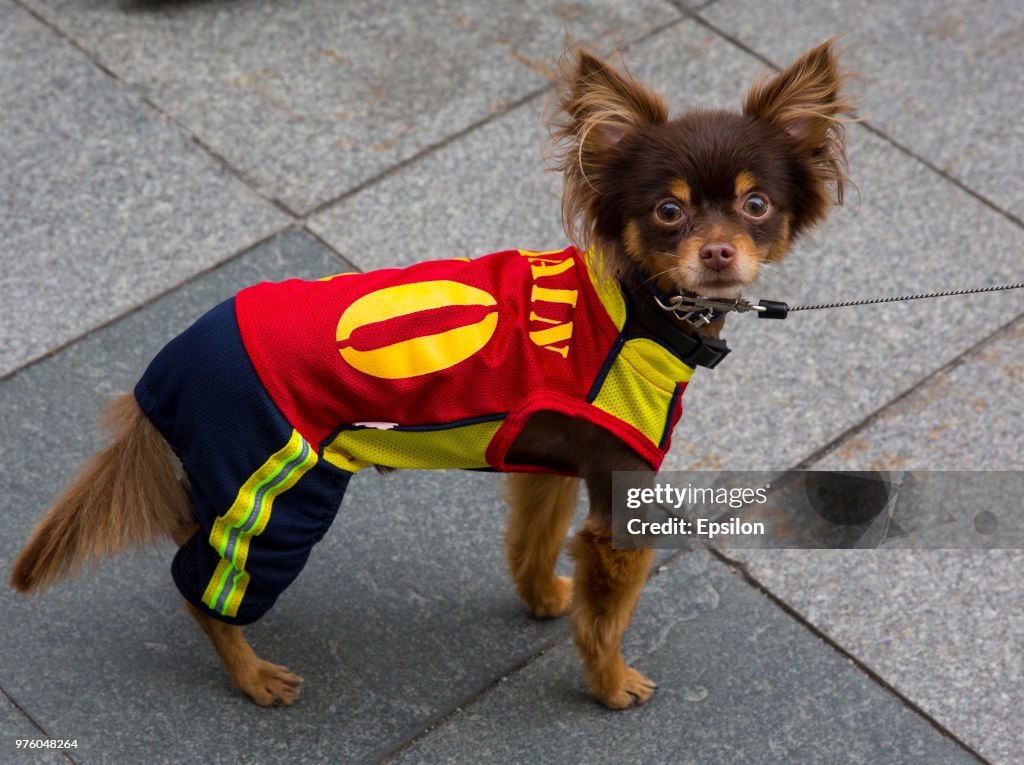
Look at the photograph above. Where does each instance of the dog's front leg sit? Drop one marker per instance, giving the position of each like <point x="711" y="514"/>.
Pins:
<point x="540" y="511"/>
<point x="269" y="685"/>
<point x="606" y="589"/>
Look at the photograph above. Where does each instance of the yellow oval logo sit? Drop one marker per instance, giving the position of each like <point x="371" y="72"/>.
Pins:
<point x="392" y="344"/>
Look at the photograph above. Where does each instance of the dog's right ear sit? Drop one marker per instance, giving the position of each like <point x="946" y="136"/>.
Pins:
<point x="596" y="105"/>
<point x="602" y="103"/>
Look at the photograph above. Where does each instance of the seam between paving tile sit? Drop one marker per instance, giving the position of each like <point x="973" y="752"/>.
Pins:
<point x="823" y="451"/>
<point x="294" y="226"/>
<point x="146" y="101"/>
<point x="427" y="151"/>
<point x="442" y="718"/>
<point x="689" y="10"/>
<point x="5" y="697"/>
<point x="745" y="574"/>
<point x="537" y="94"/>
<point x="135" y="308"/>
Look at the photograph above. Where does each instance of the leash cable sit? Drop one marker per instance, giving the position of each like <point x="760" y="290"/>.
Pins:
<point x="905" y="297"/>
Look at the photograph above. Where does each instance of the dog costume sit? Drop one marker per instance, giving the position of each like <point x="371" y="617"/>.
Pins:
<point x="274" y="398"/>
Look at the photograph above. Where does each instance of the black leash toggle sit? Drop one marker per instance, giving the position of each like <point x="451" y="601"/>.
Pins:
<point x="699" y="311"/>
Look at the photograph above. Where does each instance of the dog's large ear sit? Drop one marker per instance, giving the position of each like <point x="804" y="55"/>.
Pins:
<point x="807" y="99"/>
<point x="601" y="103"/>
<point x="595" y="106"/>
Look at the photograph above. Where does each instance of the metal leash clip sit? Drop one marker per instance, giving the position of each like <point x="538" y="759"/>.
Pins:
<point x="700" y="311"/>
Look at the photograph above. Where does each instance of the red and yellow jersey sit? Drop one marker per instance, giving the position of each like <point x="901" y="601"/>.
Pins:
<point x="441" y="364"/>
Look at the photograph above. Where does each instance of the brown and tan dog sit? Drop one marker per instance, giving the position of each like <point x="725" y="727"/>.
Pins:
<point x="692" y="205"/>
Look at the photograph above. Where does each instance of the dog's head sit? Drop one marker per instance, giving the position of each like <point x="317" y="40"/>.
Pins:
<point x="699" y="202"/>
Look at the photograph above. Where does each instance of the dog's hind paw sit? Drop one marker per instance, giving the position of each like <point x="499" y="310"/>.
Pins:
<point x="270" y="685"/>
<point x="551" y="600"/>
<point x="634" y="690"/>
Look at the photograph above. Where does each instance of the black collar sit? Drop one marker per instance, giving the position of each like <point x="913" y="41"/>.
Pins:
<point x="692" y="349"/>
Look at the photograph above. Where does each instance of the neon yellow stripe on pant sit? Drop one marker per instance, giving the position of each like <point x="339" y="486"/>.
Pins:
<point x="248" y="517"/>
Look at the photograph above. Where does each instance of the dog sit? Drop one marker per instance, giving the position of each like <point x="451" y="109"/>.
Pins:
<point x="556" y="367"/>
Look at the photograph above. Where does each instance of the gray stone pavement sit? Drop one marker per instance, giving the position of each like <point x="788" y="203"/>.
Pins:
<point x="157" y="156"/>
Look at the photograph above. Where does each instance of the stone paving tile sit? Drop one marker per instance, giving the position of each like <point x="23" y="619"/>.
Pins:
<point x="404" y="610"/>
<point x="945" y="627"/>
<point x="103" y="203"/>
<point x="308" y="99"/>
<point x="815" y="374"/>
<point x="739" y="681"/>
<point x="942" y="80"/>
<point x="14" y="727"/>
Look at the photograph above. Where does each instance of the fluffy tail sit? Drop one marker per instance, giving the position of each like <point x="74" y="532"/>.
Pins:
<point x="125" y="496"/>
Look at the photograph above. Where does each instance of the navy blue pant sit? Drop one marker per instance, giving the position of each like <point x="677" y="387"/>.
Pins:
<point x="262" y="495"/>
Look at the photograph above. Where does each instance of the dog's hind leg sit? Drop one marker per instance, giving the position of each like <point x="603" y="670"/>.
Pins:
<point x="540" y="510"/>
<point x="269" y="685"/>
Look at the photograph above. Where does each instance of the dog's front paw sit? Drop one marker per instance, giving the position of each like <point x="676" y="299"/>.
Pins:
<point x="270" y="685"/>
<point x="632" y="689"/>
<point x="551" y="600"/>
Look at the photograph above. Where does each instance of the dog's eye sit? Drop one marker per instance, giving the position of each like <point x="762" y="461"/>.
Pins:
<point x="669" y="212"/>
<point x="756" y="206"/>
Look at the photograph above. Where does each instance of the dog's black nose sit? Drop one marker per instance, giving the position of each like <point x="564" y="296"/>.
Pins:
<point x="717" y="255"/>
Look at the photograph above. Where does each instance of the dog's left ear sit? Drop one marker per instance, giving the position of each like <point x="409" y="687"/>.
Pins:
<point x="808" y="101"/>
